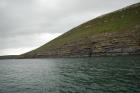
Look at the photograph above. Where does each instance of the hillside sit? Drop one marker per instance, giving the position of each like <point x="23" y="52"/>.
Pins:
<point x="116" y="33"/>
<point x="9" y="57"/>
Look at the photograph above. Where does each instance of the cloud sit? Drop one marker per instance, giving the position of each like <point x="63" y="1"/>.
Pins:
<point x="24" y="21"/>
<point x="27" y="41"/>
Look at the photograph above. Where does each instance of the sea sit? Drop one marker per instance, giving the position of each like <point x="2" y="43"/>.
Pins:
<point x="119" y="74"/>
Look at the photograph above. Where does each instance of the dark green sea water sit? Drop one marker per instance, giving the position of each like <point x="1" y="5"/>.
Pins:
<point x="71" y="75"/>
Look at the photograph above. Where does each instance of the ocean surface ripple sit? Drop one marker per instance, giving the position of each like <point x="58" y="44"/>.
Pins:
<point x="71" y="75"/>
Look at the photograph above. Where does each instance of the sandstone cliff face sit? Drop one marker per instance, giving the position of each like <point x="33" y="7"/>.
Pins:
<point x="117" y="33"/>
<point x="115" y="43"/>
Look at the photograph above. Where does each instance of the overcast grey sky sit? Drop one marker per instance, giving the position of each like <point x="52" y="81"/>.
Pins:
<point x="27" y="24"/>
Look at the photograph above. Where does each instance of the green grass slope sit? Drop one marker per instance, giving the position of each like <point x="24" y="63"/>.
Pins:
<point x="114" y="33"/>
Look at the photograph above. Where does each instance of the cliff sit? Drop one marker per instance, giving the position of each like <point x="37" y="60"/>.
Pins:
<point x="116" y="33"/>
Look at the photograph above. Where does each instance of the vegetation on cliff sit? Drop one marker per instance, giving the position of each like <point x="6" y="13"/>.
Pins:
<point x="116" y="33"/>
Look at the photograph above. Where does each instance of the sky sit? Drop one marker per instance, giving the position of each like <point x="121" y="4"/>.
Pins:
<point x="28" y="24"/>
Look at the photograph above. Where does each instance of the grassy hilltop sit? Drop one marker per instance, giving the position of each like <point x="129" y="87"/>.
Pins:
<point x="116" y="33"/>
